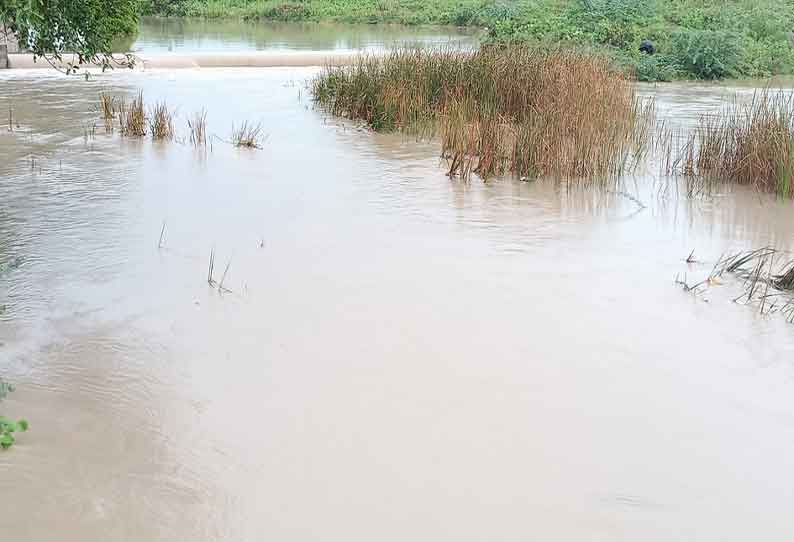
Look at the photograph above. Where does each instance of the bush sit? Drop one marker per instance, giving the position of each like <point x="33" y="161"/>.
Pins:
<point x="615" y="23"/>
<point x="465" y="15"/>
<point x="163" y="7"/>
<point x="706" y="54"/>
<point x="765" y="57"/>
<point x="654" y="68"/>
<point x="287" y="12"/>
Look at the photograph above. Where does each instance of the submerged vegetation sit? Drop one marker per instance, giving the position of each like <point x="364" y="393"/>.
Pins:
<point x="748" y="144"/>
<point x="198" y="129"/>
<point x="134" y="122"/>
<point x="515" y="109"/>
<point x="692" y="38"/>
<point x="161" y="124"/>
<point x="132" y="117"/>
<point x="247" y="135"/>
<point x="767" y="275"/>
<point x="8" y="427"/>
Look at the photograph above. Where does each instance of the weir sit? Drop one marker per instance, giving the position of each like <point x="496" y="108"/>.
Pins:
<point x="206" y="60"/>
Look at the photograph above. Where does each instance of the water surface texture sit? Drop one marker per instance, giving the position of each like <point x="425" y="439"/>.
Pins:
<point x="401" y="356"/>
<point x="164" y="35"/>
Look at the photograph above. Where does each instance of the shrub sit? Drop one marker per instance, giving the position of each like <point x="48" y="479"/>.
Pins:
<point x="287" y="12"/>
<point x="706" y="54"/>
<point x="465" y="15"/>
<point x="653" y="68"/>
<point x="615" y="23"/>
<point x="163" y="7"/>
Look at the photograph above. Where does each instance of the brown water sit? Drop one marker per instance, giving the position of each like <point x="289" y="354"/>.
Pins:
<point x="401" y="357"/>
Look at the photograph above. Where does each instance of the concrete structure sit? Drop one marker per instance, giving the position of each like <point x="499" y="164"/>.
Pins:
<point x="208" y="60"/>
<point x="3" y="56"/>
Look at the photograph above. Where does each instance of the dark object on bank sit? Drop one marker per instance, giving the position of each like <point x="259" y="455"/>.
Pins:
<point x="647" y="47"/>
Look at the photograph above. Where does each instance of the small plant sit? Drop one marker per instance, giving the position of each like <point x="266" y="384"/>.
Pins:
<point x="247" y="135"/>
<point x="7" y="426"/>
<point x="161" y="124"/>
<point x="132" y="117"/>
<point x="198" y="129"/>
<point x="5" y="389"/>
<point x="107" y="106"/>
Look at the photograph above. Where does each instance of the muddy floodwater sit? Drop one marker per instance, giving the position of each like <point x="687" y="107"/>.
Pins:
<point x="400" y="356"/>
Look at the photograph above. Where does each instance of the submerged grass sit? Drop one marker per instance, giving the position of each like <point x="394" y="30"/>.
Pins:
<point x="132" y="117"/>
<point x="248" y="135"/>
<point x="107" y="108"/>
<point x="513" y="109"/>
<point x="749" y="144"/>
<point x="768" y="279"/>
<point x="161" y="124"/>
<point x="198" y="129"/>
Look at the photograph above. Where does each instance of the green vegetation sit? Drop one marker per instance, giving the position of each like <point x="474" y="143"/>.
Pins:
<point x="504" y="109"/>
<point x="87" y="28"/>
<point x="8" y="427"/>
<point x="413" y="12"/>
<point x="694" y="38"/>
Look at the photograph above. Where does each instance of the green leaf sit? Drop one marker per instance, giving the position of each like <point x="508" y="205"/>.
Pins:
<point x="6" y="440"/>
<point x="22" y="425"/>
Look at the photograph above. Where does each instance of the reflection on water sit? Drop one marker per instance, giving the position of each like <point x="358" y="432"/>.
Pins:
<point x="157" y="35"/>
<point x="403" y="356"/>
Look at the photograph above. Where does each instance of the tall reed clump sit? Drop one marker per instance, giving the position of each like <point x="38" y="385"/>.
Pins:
<point x="161" y="124"/>
<point x="509" y="109"/>
<point x="749" y="144"/>
<point x="132" y="117"/>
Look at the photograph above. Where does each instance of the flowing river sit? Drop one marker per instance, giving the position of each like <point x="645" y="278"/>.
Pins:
<point x="399" y="355"/>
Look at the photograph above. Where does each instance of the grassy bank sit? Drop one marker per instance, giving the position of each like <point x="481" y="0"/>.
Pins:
<point x="409" y="12"/>
<point x="704" y="39"/>
<point x="503" y="110"/>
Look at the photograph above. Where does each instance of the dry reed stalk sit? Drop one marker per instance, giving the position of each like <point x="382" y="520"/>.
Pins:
<point x="198" y="129"/>
<point x="162" y="234"/>
<point x="161" y="124"/>
<point x="132" y="117"/>
<point x="107" y="106"/>
<point x="211" y="267"/>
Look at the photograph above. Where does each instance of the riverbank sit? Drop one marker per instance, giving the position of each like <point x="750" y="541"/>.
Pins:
<point x="693" y="39"/>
